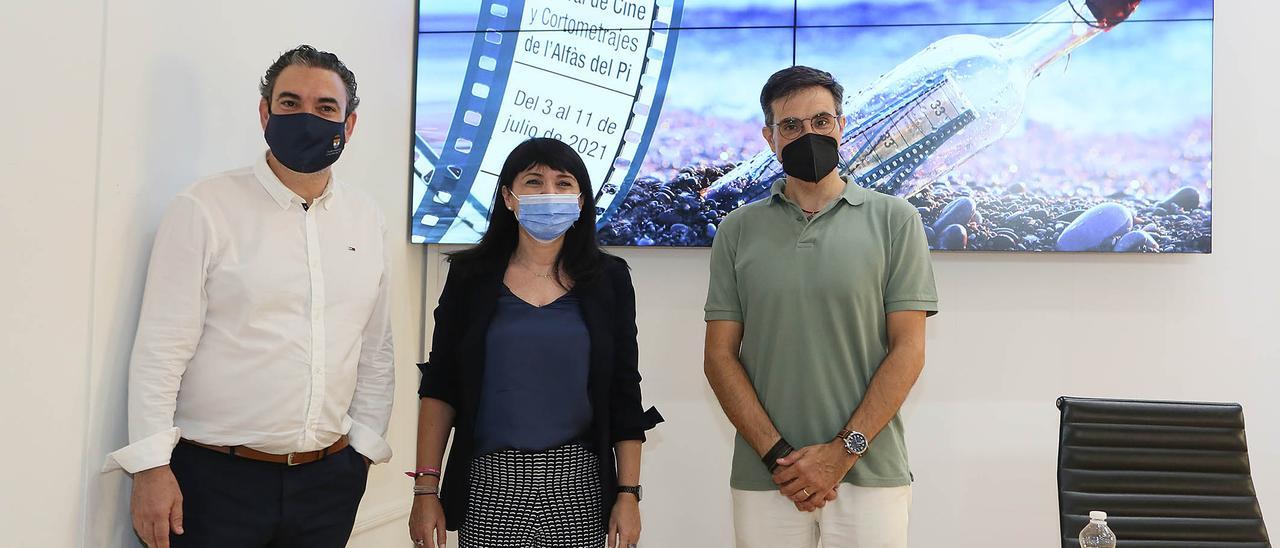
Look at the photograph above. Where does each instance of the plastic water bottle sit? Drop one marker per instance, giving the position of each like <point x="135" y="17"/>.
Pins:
<point x="1097" y="534"/>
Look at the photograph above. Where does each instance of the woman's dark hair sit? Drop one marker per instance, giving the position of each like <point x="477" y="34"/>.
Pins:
<point x="579" y="258"/>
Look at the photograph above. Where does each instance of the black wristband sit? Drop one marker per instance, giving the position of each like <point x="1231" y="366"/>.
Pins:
<point x="779" y="450"/>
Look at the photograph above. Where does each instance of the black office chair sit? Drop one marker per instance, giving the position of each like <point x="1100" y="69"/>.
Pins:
<point x="1168" y="474"/>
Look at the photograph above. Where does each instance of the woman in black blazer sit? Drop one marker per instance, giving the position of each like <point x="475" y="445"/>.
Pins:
<point x="534" y="367"/>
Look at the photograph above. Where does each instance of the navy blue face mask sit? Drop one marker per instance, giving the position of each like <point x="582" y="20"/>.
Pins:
<point x="304" y="142"/>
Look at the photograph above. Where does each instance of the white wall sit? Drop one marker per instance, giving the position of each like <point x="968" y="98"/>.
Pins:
<point x="120" y="104"/>
<point x="47" y="193"/>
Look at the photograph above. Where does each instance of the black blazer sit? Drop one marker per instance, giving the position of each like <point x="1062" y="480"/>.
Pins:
<point x="455" y="371"/>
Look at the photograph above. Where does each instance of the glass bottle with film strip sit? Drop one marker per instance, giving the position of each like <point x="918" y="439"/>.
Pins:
<point x="940" y="107"/>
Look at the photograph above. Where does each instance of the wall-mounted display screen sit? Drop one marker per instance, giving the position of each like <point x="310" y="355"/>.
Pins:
<point x="1019" y="125"/>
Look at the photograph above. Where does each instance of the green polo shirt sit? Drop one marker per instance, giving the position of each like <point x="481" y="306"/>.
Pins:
<point x="812" y="296"/>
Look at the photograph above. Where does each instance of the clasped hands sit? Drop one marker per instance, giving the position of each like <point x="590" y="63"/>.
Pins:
<point x="808" y="477"/>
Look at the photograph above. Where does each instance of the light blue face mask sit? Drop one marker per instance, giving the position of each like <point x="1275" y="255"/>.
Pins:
<point x="546" y="217"/>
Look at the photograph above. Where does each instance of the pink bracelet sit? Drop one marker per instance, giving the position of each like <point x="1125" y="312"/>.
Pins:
<point x="427" y="471"/>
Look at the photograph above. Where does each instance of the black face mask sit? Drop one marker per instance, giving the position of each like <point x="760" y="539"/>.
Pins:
<point x="304" y="142"/>
<point x="811" y="157"/>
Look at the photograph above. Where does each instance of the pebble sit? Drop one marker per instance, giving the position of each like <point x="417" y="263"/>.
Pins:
<point x="1098" y="225"/>
<point x="1137" y="240"/>
<point x="1002" y="243"/>
<point x="959" y="212"/>
<point x="1186" y="198"/>
<point x="954" y="237"/>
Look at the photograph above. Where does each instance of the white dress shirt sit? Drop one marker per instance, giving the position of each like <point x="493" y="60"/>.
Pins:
<point x="262" y="324"/>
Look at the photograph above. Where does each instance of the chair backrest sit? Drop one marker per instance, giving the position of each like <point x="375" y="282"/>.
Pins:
<point x="1168" y="474"/>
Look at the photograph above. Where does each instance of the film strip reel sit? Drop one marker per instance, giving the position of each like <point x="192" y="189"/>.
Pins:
<point x="594" y="79"/>
<point x="891" y="146"/>
<point x="886" y="149"/>
<point x="900" y="167"/>
<point x="424" y="167"/>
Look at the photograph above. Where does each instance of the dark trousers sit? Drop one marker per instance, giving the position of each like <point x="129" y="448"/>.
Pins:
<point x="236" y="502"/>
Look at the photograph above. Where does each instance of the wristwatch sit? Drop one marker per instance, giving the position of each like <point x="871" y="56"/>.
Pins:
<point x="633" y="489"/>
<point x="855" y="443"/>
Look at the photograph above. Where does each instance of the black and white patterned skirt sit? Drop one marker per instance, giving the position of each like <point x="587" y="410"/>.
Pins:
<point x="524" y="500"/>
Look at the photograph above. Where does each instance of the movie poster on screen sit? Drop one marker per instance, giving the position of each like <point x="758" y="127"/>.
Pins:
<point x="1023" y="125"/>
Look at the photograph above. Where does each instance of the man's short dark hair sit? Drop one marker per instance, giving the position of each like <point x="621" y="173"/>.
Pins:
<point x="792" y="79"/>
<point x="308" y="56"/>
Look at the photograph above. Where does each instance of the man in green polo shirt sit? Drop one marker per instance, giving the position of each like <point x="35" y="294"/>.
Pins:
<point x="815" y="335"/>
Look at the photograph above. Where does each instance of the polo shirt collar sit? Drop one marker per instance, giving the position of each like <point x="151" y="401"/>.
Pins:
<point x="853" y="193"/>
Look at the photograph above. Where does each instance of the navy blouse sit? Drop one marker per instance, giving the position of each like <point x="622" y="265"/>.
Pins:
<point x="534" y="394"/>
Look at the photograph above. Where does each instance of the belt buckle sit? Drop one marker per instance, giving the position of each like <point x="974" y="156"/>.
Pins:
<point x="289" y="460"/>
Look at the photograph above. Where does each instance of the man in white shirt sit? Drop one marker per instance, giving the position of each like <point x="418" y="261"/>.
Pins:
<point x="261" y="379"/>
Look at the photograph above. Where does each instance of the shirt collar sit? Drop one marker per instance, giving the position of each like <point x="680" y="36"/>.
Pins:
<point x="281" y="194"/>
<point x="853" y="193"/>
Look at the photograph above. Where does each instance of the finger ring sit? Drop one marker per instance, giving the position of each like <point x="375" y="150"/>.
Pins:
<point x="806" y="493"/>
<point x="419" y="542"/>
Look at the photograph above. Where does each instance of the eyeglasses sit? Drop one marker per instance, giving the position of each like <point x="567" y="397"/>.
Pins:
<point x="790" y="128"/>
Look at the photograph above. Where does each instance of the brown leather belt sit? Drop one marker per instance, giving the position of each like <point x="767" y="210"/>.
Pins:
<point x="291" y="459"/>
